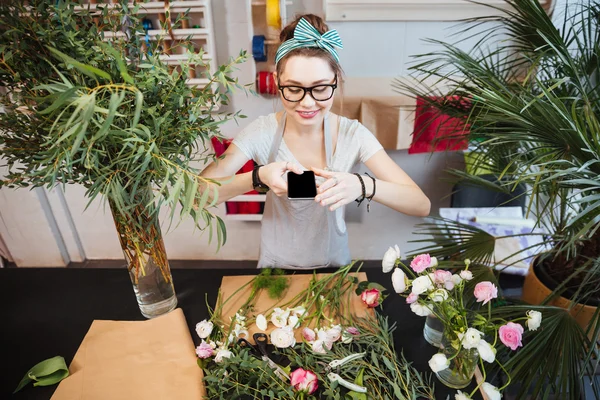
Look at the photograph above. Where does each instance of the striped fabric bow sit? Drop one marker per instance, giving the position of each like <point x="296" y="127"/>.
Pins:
<point x="305" y="35"/>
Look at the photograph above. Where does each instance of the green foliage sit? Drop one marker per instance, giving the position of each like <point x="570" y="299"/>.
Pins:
<point x="273" y="280"/>
<point x="106" y="114"/>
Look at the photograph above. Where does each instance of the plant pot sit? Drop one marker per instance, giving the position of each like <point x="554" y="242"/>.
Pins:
<point x="463" y="363"/>
<point x="142" y="244"/>
<point x="535" y="292"/>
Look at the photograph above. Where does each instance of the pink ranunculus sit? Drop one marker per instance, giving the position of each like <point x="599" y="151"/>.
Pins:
<point x="511" y="335"/>
<point x="371" y="297"/>
<point x="353" y="331"/>
<point x="308" y="334"/>
<point x="420" y="263"/>
<point x="412" y="298"/>
<point x="440" y="277"/>
<point x="485" y="291"/>
<point x="304" y="381"/>
<point x="204" y="350"/>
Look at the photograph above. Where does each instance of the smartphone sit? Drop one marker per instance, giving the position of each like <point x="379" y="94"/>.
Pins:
<point x="302" y="187"/>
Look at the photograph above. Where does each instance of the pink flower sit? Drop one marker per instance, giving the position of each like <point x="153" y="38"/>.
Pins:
<point x="353" y="331"/>
<point x="371" y="297"/>
<point x="511" y="335"/>
<point x="304" y="381"/>
<point x="204" y="350"/>
<point x="485" y="291"/>
<point x="441" y="278"/>
<point x="412" y="298"/>
<point x="420" y="263"/>
<point x="308" y="334"/>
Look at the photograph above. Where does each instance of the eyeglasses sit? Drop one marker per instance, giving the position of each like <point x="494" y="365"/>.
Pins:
<point x="318" y="92"/>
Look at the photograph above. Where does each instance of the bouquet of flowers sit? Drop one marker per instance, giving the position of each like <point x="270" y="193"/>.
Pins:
<point x="313" y="346"/>
<point x="471" y="333"/>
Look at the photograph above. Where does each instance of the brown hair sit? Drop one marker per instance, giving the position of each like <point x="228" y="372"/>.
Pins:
<point x="288" y="33"/>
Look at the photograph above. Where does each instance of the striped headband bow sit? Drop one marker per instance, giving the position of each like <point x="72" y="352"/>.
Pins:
<point x="306" y="35"/>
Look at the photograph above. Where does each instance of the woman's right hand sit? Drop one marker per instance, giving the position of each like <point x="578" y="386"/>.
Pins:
<point x="272" y="175"/>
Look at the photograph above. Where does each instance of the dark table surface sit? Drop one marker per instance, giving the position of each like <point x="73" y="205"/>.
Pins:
<point x="46" y="312"/>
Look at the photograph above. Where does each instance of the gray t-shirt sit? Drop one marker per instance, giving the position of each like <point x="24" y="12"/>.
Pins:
<point x="355" y="143"/>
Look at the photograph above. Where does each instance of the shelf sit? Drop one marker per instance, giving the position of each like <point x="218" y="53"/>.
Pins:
<point x="179" y="34"/>
<point x="155" y="7"/>
<point x="250" y="197"/>
<point x="175" y="59"/>
<point x="244" y="217"/>
<point x="197" y="81"/>
<point x="263" y="3"/>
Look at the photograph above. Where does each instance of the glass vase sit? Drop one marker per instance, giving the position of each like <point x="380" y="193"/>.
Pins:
<point x="463" y="363"/>
<point x="142" y="244"/>
<point x="433" y="330"/>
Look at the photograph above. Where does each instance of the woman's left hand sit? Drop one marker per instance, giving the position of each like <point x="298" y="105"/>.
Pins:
<point x="339" y="188"/>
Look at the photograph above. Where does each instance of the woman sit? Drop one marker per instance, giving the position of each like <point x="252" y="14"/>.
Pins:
<point x="307" y="136"/>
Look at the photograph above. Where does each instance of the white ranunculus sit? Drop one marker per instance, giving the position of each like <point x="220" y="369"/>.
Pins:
<point x="491" y="391"/>
<point x="399" y="280"/>
<point x="347" y="337"/>
<point x="279" y="318"/>
<point x="534" y="320"/>
<point x="461" y="396"/>
<point x="204" y="329"/>
<point x="471" y="338"/>
<point x="334" y="333"/>
<point x="456" y="279"/>
<point x="221" y="354"/>
<point x="439" y="295"/>
<point x="438" y="362"/>
<point x="299" y="311"/>
<point x="422" y="284"/>
<point x="389" y="258"/>
<point x="261" y="322"/>
<point x="283" y="337"/>
<point x="240" y="331"/>
<point x="434" y="262"/>
<point x="293" y="321"/>
<point x="420" y="310"/>
<point x="486" y="351"/>
<point x="466" y="275"/>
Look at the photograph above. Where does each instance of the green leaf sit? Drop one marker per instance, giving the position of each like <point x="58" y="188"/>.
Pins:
<point x="45" y="373"/>
<point x="88" y="70"/>
<point x="120" y="63"/>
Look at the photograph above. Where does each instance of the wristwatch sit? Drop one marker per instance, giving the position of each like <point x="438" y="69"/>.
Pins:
<point x="259" y="186"/>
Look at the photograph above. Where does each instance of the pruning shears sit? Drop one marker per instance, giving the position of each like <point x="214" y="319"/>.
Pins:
<point x="263" y="351"/>
<point x="335" y="376"/>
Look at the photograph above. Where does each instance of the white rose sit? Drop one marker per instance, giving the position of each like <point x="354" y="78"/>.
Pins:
<point x="261" y="322"/>
<point x="491" y="391"/>
<point x="399" y="280"/>
<point x="204" y="329"/>
<point x="389" y="258"/>
<point x="279" y="318"/>
<point x="422" y="284"/>
<point x="283" y="337"/>
<point x="420" y="310"/>
<point x="438" y="362"/>
<point x="293" y="321"/>
<point x="466" y="275"/>
<point x="486" y="351"/>
<point x="534" y="320"/>
<point x="461" y="396"/>
<point x="439" y="295"/>
<point x="221" y="354"/>
<point x="471" y="338"/>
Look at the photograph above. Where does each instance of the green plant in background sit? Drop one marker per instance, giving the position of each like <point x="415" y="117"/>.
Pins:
<point x="111" y="116"/>
<point x="533" y="115"/>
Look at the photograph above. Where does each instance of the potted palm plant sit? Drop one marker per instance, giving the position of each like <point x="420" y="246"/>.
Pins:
<point x="114" y="117"/>
<point x="530" y="102"/>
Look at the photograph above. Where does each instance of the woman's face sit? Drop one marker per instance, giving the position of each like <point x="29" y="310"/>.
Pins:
<point x="306" y="72"/>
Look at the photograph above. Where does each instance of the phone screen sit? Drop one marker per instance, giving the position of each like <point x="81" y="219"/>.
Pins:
<point x="302" y="186"/>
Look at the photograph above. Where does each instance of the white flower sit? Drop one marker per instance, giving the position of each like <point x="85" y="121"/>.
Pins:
<point x="434" y="262"/>
<point x="212" y="344"/>
<point x="240" y="331"/>
<point x="283" y="337"/>
<point x="422" y="284"/>
<point x="486" y="351"/>
<point x="334" y="333"/>
<point x="204" y="329"/>
<point x="347" y="337"/>
<point x="399" y="280"/>
<point x="471" y="338"/>
<point x="221" y="354"/>
<point x="461" y="396"/>
<point x="439" y="295"/>
<point x="261" y="322"/>
<point x="456" y="279"/>
<point x="299" y="311"/>
<point x="308" y="334"/>
<point x="239" y="317"/>
<point x="389" y="258"/>
<point x="279" y="318"/>
<point x="491" y="391"/>
<point x="420" y="310"/>
<point x="534" y="320"/>
<point x="323" y="342"/>
<point x="293" y="321"/>
<point x="438" y="362"/>
<point x="466" y="275"/>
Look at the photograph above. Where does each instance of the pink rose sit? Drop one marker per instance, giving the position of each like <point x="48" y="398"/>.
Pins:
<point x="304" y="381"/>
<point x="420" y="263"/>
<point x="412" y="298"/>
<point x="370" y="297"/>
<point x="485" y="291"/>
<point x="308" y="334"/>
<point x="511" y="335"/>
<point x="353" y="331"/>
<point x="204" y="350"/>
